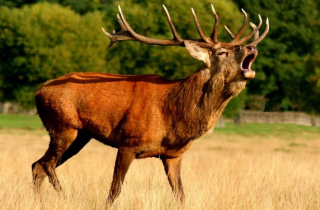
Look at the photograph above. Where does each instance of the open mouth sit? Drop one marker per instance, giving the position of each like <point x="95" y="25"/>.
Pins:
<point x="246" y="66"/>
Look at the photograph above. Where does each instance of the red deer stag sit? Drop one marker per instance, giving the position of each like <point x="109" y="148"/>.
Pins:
<point x="147" y="115"/>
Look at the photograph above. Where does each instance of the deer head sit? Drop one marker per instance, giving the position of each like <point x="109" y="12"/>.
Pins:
<point x="233" y="59"/>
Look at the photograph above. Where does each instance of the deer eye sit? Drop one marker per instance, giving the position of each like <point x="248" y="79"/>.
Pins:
<point x="223" y="53"/>
<point x="237" y="49"/>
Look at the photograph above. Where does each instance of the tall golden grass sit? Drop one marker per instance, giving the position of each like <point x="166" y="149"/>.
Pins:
<point x="219" y="172"/>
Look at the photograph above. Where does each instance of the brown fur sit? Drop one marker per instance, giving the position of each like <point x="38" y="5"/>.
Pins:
<point x="143" y="116"/>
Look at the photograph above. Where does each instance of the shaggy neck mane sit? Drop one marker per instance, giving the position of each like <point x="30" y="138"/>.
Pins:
<point x="196" y="103"/>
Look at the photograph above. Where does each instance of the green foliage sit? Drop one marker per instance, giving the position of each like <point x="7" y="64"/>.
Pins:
<point x="45" y="41"/>
<point x="79" y="6"/>
<point x="16" y="3"/>
<point x="311" y="82"/>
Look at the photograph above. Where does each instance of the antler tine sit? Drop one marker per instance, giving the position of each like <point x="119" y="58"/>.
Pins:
<point x="126" y="25"/>
<point x="120" y="36"/>
<point x="214" y="34"/>
<point x="123" y="28"/>
<point x="241" y="29"/>
<point x="255" y="30"/>
<point x="173" y="29"/>
<point x="229" y="32"/>
<point x="256" y="35"/>
<point x="175" y="42"/>
<point x="123" y="35"/>
<point x="206" y="39"/>
<point x="256" y="41"/>
<point x="105" y="32"/>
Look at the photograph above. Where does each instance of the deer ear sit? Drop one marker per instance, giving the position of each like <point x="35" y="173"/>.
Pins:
<point x="198" y="52"/>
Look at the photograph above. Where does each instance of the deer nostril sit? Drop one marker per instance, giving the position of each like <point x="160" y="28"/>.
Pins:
<point x="251" y="48"/>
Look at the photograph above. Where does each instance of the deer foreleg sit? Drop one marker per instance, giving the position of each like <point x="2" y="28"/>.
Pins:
<point x="124" y="158"/>
<point x="172" y="167"/>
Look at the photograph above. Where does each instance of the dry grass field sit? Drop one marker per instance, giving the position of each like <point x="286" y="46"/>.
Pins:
<point x="223" y="170"/>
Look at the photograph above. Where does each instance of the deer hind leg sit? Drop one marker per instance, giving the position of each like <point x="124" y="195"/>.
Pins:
<point x="172" y="167"/>
<point x="125" y="156"/>
<point x="59" y="142"/>
<point x="82" y="139"/>
<point x="38" y="174"/>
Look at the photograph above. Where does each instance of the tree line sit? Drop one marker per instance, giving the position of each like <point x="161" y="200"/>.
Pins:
<point x="41" y="40"/>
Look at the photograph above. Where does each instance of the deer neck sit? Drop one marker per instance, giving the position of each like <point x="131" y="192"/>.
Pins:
<point x="196" y="103"/>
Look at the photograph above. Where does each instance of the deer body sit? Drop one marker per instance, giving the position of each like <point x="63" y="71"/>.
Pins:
<point x="147" y="115"/>
<point x="114" y="104"/>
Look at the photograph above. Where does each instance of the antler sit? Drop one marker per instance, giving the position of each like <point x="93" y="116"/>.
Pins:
<point x="254" y="33"/>
<point x="258" y="38"/>
<point x="127" y="33"/>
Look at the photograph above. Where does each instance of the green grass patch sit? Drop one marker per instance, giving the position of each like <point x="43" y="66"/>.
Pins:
<point x="20" y="122"/>
<point x="247" y="129"/>
<point x="282" y="130"/>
